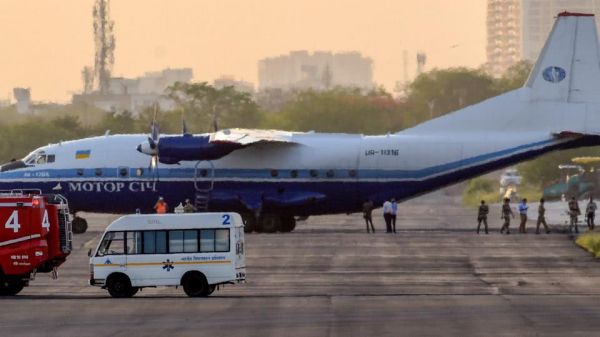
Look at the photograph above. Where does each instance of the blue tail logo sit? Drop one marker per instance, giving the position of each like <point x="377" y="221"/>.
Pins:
<point x="554" y="74"/>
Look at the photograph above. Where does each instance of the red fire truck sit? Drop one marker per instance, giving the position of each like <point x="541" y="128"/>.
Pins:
<point x="35" y="237"/>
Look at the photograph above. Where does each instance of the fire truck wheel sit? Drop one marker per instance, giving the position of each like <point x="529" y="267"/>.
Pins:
<point x="195" y="285"/>
<point x="119" y="286"/>
<point x="10" y="286"/>
<point x="79" y="225"/>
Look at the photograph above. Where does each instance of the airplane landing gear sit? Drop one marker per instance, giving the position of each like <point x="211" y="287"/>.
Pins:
<point x="79" y="225"/>
<point x="269" y="223"/>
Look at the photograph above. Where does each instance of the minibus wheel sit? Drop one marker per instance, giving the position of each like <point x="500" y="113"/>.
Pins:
<point x="119" y="286"/>
<point x="195" y="285"/>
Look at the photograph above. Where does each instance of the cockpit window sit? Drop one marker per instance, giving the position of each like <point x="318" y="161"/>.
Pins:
<point x="39" y="158"/>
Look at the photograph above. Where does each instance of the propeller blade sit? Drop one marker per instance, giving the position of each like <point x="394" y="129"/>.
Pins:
<point x="154" y="130"/>
<point x="152" y="143"/>
<point x="215" y="124"/>
<point x="183" y="127"/>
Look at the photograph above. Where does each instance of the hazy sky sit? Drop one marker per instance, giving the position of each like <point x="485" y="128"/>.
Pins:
<point x="45" y="43"/>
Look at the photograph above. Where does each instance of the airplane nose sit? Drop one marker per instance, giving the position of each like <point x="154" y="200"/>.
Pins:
<point x="139" y="148"/>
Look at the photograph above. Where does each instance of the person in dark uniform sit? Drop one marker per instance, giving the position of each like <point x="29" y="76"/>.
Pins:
<point x="189" y="207"/>
<point x="506" y="214"/>
<point x="574" y="212"/>
<point x="541" y="220"/>
<point x="367" y="214"/>
<point x="482" y="216"/>
<point x="590" y="213"/>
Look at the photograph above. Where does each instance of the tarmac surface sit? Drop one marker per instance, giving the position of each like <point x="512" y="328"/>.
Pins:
<point x="330" y="278"/>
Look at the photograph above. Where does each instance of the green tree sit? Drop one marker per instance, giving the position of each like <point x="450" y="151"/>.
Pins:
<point x="440" y="91"/>
<point x="206" y="107"/>
<point x="340" y="110"/>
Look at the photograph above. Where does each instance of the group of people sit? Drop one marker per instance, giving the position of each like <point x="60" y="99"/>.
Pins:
<point x="507" y="214"/>
<point x="161" y="206"/>
<point x="390" y="213"/>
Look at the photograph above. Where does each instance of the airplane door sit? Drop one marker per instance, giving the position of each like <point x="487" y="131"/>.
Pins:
<point x="204" y="174"/>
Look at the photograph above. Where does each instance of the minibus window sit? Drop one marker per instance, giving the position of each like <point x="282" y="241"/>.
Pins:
<point x="161" y="242"/>
<point x="134" y="242"/>
<point x="222" y="240"/>
<point x="190" y="241"/>
<point x="175" y="241"/>
<point x="149" y="242"/>
<point x="112" y="244"/>
<point x="207" y="240"/>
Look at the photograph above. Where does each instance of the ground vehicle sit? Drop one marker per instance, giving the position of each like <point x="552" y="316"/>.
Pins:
<point x="581" y="180"/>
<point x="510" y="177"/>
<point x="35" y="237"/>
<point x="196" y="250"/>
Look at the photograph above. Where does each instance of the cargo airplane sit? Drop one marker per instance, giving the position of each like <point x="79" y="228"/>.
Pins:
<point x="271" y="177"/>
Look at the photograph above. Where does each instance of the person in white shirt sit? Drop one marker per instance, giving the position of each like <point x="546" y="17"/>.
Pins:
<point x="387" y="215"/>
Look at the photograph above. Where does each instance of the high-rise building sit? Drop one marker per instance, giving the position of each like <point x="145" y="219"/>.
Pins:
<point x="503" y="34"/>
<point x="319" y="70"/>
<point x="517" y="29"/>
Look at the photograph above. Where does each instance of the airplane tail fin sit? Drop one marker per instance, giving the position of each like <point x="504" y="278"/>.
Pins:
<point x="568" y="67"/>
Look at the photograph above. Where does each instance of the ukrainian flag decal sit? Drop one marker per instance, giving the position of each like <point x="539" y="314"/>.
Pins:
<point x="82" y="154"/>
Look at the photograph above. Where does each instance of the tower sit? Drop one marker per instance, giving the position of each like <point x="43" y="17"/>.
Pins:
<point x="105" y="44"/>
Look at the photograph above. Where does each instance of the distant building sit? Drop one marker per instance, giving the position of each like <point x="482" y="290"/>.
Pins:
<point x="228" y="81"/>
<point x="23" y="98"/>
<point x="517" y="29"/>
<point x="319" y="70"/>
<point x="538" y="18"/>
<point x="136" y="94"/>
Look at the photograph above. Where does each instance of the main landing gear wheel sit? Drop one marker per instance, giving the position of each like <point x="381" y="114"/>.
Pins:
<point x="269" y="223"/>
<point x="11" y="286"/>
<point x="79" y="225"/>
<point x="288" y="223"/>
<point x="249" y="223"/>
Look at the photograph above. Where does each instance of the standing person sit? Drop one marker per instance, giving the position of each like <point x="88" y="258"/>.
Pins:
<point x="574" y="212"/>
<point x="590" y="213"/>
<point x="189" y="207"/>
<point x="482" y="216"/>
<point x="367" y="214"/>
<point x="161" y="206"/>
<point x="394" y="214"/>
<point x="541" y="220"/>
<point x="387" y="216"/>
<point x="523" y="215"/>
<point x="506" y="214"/>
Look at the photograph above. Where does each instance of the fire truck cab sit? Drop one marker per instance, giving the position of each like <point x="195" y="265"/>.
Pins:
<point x="35" y="237"/>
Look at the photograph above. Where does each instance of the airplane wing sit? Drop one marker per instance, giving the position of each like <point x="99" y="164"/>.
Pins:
<point x="246" y="137"/>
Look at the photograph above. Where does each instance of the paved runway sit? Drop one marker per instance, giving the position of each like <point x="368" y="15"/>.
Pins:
<point x="329" y="278"/>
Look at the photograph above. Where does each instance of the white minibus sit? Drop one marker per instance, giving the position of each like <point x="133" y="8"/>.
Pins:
<point x="198" y="251"/>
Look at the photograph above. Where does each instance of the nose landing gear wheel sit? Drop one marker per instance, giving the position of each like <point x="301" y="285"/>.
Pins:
<point x="79" y="225"/>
